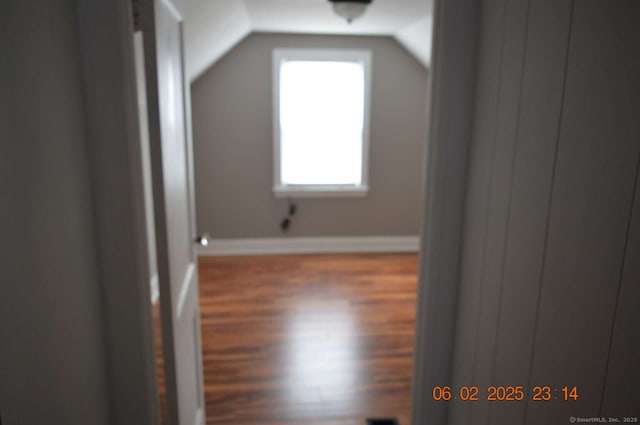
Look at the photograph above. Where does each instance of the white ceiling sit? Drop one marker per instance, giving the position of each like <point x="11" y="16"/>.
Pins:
<point x="213" y="27"/>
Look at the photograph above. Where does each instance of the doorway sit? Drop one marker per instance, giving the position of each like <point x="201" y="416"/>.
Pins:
<point x="376" y="235"/>
<point x="407" y="394"/>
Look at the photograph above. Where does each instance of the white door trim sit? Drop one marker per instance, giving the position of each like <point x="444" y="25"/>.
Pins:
<point x="452" y="88"/>
<point x="200" y="417"/>
<point x="184" y="289"/>
<point x="108" y="69"/>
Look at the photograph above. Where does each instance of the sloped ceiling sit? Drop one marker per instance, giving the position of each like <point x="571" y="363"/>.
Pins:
<point x="213" y="27"/>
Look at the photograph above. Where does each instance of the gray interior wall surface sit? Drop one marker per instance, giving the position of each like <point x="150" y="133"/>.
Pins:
<point x="52" y="361"/>
<point x="233" y="144"/>
<point x="551" y="223"/>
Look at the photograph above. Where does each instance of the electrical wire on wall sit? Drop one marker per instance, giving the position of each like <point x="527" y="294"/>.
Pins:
<point x="291" y="211"/>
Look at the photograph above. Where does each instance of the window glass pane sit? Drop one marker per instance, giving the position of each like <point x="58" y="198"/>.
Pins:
<point x="321" y="122"/>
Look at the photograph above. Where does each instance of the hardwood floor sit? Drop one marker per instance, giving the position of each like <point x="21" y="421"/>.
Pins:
<point x="307" y="339"/>
<point x="160" y="382"/>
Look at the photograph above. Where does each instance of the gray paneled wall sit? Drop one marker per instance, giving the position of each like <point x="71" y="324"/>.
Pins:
<point x="623" y="374"/>
<point x="53" y="366"/>
<point x="232" y="125"/>
<point x="533" y="164"/>
<point x="549" y="293"/>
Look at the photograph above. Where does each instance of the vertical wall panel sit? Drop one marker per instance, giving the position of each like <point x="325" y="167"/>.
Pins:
<point x="492" y="22"/>
<point x="499" y="197"/>
<point x="549" y="290"/>
<point x="622" y="389"/>
<point x="591" y="202"/>
<point x="533" y="169"/>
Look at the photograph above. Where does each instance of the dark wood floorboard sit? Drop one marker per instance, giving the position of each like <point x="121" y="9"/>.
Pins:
<point x="160" y="382"/>
<point x="307" y="339"/>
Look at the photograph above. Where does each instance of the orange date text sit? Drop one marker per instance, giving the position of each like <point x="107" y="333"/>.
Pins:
<point x="505" y="393"/>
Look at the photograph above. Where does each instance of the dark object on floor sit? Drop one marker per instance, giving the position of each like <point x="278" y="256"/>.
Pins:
<point x="382" y="421"/>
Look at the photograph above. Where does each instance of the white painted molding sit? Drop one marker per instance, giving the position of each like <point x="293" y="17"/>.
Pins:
<point x="184" y="290"/>
<point x="155" y="288"/>
<point x="320" y="191"/>
<point x="317" y="245"/>
<point x="200" y="417"/>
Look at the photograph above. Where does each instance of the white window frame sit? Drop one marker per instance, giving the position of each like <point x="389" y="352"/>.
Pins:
<point x="282" y="190"/>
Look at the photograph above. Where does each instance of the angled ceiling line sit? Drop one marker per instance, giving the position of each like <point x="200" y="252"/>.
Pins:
<point x="214" y="27"/>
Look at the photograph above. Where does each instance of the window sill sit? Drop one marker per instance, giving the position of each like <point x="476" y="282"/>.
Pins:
<point x="320" y="191"/>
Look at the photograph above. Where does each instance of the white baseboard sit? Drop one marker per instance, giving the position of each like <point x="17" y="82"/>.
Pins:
<point x="318" y="245"/>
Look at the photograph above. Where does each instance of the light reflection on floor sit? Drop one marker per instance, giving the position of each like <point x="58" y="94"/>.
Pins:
<point x="322" y="353"/>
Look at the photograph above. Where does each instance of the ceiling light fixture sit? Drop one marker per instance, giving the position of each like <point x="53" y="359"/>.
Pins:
<point x="350" y="9"/>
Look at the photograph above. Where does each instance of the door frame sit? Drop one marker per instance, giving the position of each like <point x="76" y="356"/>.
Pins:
<point x="105" y="30"/>
<point x="106" y="33"/>
<point x="452" y="87"/>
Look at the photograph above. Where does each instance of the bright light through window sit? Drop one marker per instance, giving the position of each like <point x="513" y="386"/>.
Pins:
<point x="321" y="122"/>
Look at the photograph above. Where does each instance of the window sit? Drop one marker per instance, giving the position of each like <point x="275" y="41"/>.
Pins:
<point x="321" y="114"/>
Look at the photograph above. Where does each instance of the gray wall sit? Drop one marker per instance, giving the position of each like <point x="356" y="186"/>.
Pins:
<point x="232" y="125"/>
<point x="52" y="356"/>
<point x="549" y="290"/>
